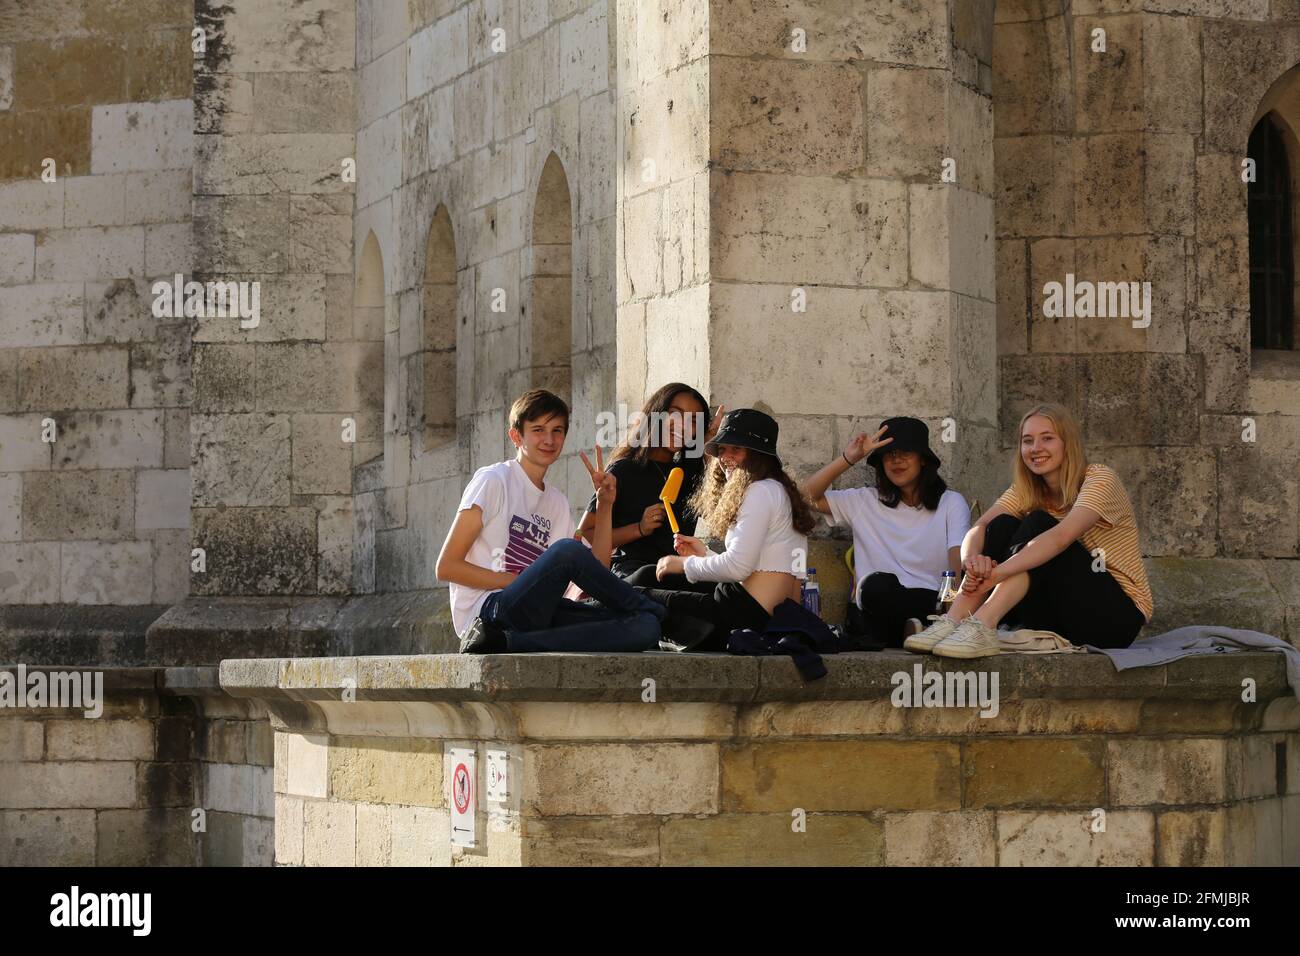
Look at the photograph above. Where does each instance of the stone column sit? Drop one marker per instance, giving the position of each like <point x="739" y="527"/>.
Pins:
<point x="662" y="196"/>
<point x="787" y="236"/>
<point x="274" y="120"/>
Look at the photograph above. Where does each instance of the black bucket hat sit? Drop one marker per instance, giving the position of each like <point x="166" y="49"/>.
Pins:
<point x="909" y="434"/>
<point x="746" y="428"/>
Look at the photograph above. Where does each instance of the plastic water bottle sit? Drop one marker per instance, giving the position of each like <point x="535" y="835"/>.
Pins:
<point x="810" y="593"/>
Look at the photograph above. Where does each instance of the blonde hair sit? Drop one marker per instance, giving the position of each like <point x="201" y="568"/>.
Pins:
<point x="717" y="500"/>
<point x="1031" y="488"/>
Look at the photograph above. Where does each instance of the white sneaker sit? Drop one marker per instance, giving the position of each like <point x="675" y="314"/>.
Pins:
<point x="972" y="638"/>
<point x="925" y="642"/>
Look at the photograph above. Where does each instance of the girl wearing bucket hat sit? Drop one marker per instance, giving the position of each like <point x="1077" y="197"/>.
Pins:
<point x="748" y="496"/>
<point x="907" y="530"/>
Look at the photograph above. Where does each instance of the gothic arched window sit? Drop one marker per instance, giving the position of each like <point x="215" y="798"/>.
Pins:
<point x="1272" y="266"/>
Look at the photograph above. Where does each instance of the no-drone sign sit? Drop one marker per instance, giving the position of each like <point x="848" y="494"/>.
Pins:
<point x="463" y="786"/>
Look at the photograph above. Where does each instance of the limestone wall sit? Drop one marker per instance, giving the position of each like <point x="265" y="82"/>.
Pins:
<point x="830" y="129"/>
<point x="102" y="90"/>
<point x="738" y="763"/>
<point x="485" y="163"/>
<point x="273" y="457"/>
<point x="1126" y="166"/>
<point x="173" y="773"/>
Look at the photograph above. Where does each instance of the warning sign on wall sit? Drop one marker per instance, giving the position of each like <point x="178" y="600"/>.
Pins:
<point x="463" y="796"/>
<point x="497" y="787"/>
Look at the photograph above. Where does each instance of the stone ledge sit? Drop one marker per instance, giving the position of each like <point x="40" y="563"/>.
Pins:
<point x="175" y="681"/>
<point x="726" y="678"/>
<point x="205" y="631"/>
<point x="76" y="635"/>
<point x="117" y="680"/>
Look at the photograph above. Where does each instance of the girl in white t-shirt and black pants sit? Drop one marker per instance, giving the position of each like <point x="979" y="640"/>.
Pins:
<point x="907" y="530"/>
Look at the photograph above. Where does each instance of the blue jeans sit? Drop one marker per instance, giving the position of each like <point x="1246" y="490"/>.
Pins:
<point x="535" y="615"/>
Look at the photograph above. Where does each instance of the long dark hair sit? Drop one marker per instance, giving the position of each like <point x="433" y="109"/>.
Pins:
<point x="659" y="403"/>
<point x="932" y="486"/>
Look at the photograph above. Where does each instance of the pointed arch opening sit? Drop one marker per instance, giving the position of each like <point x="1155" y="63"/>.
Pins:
<point x="370" y="278"/>
<point x="368" y="307"/>
<point x="1269" y="214"/>
<point x="550" y="283"/>
<point x="437" y="358"/>
<point x="1273" y="228"/>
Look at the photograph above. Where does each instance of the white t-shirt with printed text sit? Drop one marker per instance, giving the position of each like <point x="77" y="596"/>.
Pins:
<point x="520" y="521"/>
<point x="910" y="543"/>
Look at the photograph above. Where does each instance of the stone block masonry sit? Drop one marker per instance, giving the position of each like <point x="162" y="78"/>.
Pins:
<point x="736" y="762"/>
<point x="174" y="773"/>
<point x="600" y="196"/>
<point x="274" y="127"/>
<point x="100" y="515"/>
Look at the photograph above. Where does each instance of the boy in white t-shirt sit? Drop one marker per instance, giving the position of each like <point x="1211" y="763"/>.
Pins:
<point x="510" y="554"/>
<point x="907" y="529"/>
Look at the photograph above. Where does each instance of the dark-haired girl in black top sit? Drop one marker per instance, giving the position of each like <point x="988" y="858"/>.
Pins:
<point x="671" y="433"/>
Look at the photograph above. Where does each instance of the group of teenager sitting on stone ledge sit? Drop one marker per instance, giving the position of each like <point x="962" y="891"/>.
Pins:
<point x="1057" y="552"/>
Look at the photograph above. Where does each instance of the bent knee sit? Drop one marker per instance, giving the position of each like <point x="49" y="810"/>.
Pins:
<point x="1036" y="522"/>
<point x="1008" y="522"/>
<point x="568" y="547"/>
<point x="878" y="584"/>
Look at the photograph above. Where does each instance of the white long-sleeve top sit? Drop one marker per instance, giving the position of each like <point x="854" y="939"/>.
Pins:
<point x="762" y="538"/>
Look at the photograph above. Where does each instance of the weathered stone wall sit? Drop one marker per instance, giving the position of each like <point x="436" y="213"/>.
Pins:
<point x="785" y="239"/>
<point x="102" y="90"/>
<point x="826" y="178"/>
<point x="1126" y="166"/>
<point x="122" y="789"/>
<point x="735" y="752"/>
<point x="461" y="108"/>
<point x="274" y="124"/>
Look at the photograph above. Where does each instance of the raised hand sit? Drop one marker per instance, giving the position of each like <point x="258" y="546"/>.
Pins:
<point x="605" y="484"/>
<point x="862" y="445"/>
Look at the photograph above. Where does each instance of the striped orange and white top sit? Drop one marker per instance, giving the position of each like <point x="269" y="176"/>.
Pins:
<point x="1115" y="535"/>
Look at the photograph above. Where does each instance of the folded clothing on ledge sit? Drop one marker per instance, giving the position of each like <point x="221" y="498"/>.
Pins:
<point x="1200" y="639"/>
<point x="793" y="631"/>
<point x="1027" y="641"/>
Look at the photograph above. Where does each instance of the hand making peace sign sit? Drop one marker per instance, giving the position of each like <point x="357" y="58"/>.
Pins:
<point x="860" y="446"/>
<point x="605" y="484"/>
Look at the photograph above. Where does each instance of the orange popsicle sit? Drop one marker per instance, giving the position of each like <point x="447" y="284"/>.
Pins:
<point x="669" y="495"/>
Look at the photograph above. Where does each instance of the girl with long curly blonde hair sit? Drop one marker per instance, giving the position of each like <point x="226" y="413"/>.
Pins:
<point x="746" y="496"/>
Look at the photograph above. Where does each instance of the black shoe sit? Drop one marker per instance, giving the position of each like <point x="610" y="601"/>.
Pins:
<point x="482" y="638"/>
<point x="684" y="632"/>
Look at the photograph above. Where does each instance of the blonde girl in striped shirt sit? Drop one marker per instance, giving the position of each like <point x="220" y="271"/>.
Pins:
<point x="1058" y="551"/>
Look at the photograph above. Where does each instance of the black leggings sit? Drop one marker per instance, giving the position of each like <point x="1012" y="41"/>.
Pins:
<point x="725" y="606"/>
<point x="886" y="605"/>
<point x="644" y="577"/>
<point x="1065" y="594"/>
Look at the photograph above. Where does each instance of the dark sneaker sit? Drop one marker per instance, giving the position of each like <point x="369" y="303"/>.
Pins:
<point x="684" y="632"/>
<point x="482" y="638"/>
